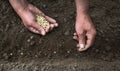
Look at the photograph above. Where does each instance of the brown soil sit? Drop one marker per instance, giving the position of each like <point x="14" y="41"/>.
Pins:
<point x="21" y="50"/>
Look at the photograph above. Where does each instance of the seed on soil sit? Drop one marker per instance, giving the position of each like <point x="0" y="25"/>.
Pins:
<point x="28" y="40"/>
<point x="36" y="55"/>
<point x="31" y="37"/>
<point x="54" y="52"/>
<point x="11" y="54"/>
<point x="68" y="51"/>
<point x="21" y="53"/>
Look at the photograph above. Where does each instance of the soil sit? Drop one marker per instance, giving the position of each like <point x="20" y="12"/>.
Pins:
<point x="21" y="50"/>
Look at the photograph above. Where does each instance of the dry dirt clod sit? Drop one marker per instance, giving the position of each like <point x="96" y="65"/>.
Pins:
<point x="67" y="33"/>
<point x="5" y="55"/>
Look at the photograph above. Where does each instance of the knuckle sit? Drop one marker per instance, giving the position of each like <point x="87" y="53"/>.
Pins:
<point x="80" y="33"/>
<point x="54" y="21"/>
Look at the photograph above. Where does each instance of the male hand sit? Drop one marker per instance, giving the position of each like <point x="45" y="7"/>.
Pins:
<point x="28" y="16"/>
<point x="85" y="32"/>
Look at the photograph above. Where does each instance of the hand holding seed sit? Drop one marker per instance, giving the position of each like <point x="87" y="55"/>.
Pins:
<point x="36" y="21"/>
<point x="42" y="22"/>
<point x="85" y="32"/>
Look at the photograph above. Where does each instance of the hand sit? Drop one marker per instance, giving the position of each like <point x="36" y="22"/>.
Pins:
<point x="28" y="16"/>
<point x="85" y="32"/>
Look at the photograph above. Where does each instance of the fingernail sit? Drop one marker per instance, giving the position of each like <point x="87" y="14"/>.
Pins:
<point x="56" y="25"/>
<point x="82" y="46"/>
<point x="43" y="33"/>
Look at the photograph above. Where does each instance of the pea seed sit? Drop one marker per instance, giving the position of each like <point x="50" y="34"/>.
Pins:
<point x="42" y="21"/>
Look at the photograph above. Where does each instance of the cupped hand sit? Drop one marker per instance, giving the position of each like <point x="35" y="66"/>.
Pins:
<point x="28" y="16"/>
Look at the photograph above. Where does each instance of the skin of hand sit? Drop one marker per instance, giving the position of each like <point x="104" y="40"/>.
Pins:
<point x="29" y="20"/>
<point x="85" y="30"/>
<point x="28" y="15"/>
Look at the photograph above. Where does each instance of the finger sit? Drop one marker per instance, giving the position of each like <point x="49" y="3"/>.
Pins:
<point x="75" y="34"/>
<point x="33" y="30"/>
<point x="39" y="28"/>
<point x="81" y="41"/>
<point x="47" y="28"/>
<point x="79" y="49"/>
<point x="76" y="38"/>
<point x="90" y="40"/>
<point x="52" y="26"/>
<point x="51" y="20"/>
<point x="56" y="24"/>
<point x="82" y="49"/>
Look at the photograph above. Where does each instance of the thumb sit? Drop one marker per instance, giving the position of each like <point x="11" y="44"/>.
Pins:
<point x="81" y="43"/>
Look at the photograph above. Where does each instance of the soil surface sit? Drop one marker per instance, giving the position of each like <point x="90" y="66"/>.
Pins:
<point x="21" y="50"/>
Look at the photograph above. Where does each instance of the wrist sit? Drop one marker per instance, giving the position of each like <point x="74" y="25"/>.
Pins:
<point x="80" y="17"/>
<point x="81" y="11"/>
<point x="19" y="5"/>
<point x="81" y="14"/>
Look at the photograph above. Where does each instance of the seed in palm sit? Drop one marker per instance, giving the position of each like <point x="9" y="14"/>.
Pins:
<point x="42" y="21"/>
